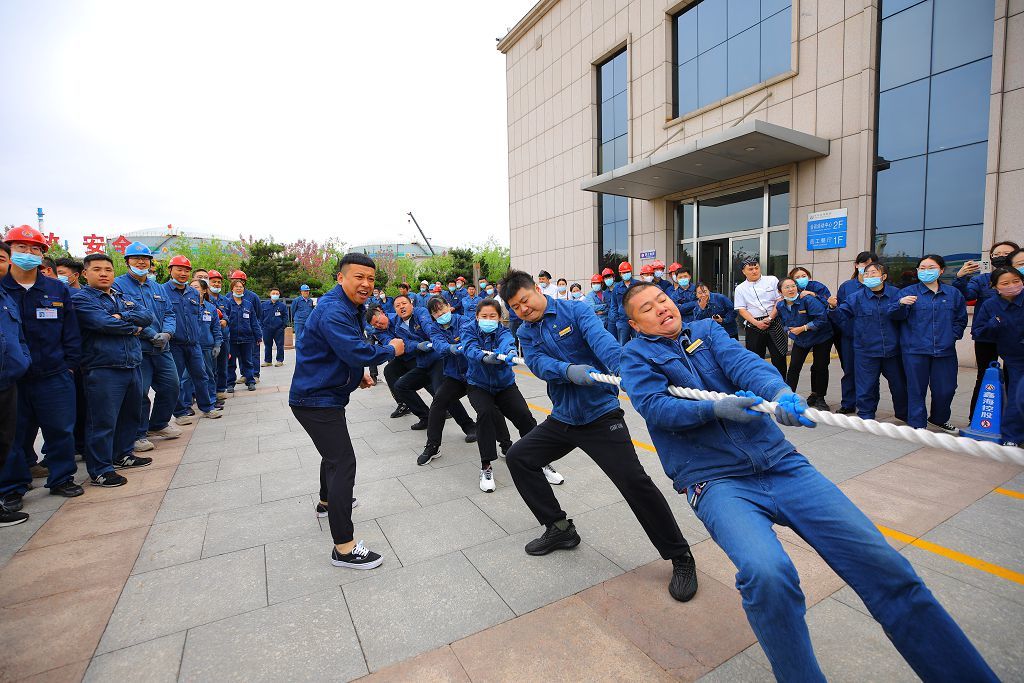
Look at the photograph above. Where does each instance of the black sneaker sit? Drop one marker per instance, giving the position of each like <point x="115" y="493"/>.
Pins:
<point x="949" y="427"/>
<point x="359" y="558"/>
<point x="130" y="461"/>
<point x="11" y="502"/>
<point x="429" y="453"/>
<point x="683" y="585"/>
<point x="471" y="436"/>
<point x="504" y="448"/>
<point x="554" y="539"/>
<point x="401" y="411"/>
<point x="11" y="517"/>
<point x="843" y="410"/>
<point x="191" y="412"/>
<point x="822" y="405"/>
<point x="251" y="386"/>
<point x="68" y="489"/>
<point x="219" y="403"/>
<point x="321" y="510"/>
<point x="421" y="425"/>
<point x="109" y="480"/>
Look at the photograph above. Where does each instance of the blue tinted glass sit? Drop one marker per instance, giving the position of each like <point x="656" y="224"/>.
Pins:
<point x="778" y="204"/>
<point x="778" y="253"/>
<point x="711" y="23"/>
<point x="899" y="197"/>
<point x="743" y="60"/>
<point x="890" y="7"/>
<point x="686" y="36"/>
<point x="619" y="74"/>
<point x="687" y="84"/>
<point x="608" y="208"/>
<point x="956" y="186"/>
<point x="620" y="114"/>
<point x="607" y="122"/>
<point x="776" y="55"/>
<point x="606" y="157"/>
<point x="770" y="7"/>
<point x="962" y="33"/>
<point x="956" y="245"/>
<point x="684" y="222"/>
<point x="606" y="85"/>
<point x="711" y="80"/>
<point x="903" y="121"/>
<point x="906" y="46"/>
<point x="621" y="151"/>
<point x="959" y="111"/>
<point x="899" y="252"/>
<point x="730" y="213"/>
<point x="742" y="15"/>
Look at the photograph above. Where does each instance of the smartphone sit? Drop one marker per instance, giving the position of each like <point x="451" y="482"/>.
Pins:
<point x="986" y="266"/>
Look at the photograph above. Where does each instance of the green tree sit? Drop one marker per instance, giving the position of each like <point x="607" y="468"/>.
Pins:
<point x="494" y="260"/>
<point x="406" y="270"/>
<point x="436" y="268"/>
<point x="269" y="265"/>
<point x="462" y="263"/>
<point x="219" y="255"/>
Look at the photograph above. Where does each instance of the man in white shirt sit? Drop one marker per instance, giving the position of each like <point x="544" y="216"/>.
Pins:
<point x="544" y="280"/>
<point x="755" y="300"/>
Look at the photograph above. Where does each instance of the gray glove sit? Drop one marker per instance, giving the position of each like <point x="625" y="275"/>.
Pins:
<point x="580" y="374"/>
<point x="161" y="340"/>
<point x="735" y="408"/>
<point x="216" y="352"/>
<point x="492" y="359"/>
<point x="423" y="346"/>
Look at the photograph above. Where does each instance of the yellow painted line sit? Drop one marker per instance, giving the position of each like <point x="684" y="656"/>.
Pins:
<point x="982" y="565"/>
<point x="1010" y="492"/>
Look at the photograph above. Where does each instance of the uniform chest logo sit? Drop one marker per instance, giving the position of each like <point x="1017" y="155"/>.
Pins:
<point x="566" y="330"/>
<point x="694" y="346"/>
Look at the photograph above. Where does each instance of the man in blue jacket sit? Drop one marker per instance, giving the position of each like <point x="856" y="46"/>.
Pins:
<point x="273" y="316"/>
<point x="329" y="364"/>
<point x="46" y="393"/>
<point x="301" y="308"/>
<point x="14" y="362"/>
<point x="741" y="476"/>
<point x="220" y="299"/>
<point x="564" y="343"/>
<point x="157" y="368"/>
<point x="112" y="325"/>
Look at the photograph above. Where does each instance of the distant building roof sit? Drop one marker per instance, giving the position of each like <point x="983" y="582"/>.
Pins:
<point x="398" y="249"/>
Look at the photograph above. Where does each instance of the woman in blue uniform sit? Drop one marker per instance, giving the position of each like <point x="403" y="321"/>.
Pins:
<point x="843" y="339"/>
<point x="805" y="319"/>
<point x="1001" y="319"/>
<point x="934" y="316"/>
<point x="808" y="286"/>
<point x="716" y="306"/>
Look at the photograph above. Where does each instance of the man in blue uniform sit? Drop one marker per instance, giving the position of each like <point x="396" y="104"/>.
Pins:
<point x="46" y="394"/>
<point x="564" y="343"/>
<point x="329" y="365"/>
<point x="301" y="308"/>
<point x="220" y="299"/>
<point x="470" y="301"/>
<point x="615" y="314"/>
<point x="273" y="316"/>
<point x="452" y="298"/>
<point x="741" y="476"/>
<point x="14" y="362"/>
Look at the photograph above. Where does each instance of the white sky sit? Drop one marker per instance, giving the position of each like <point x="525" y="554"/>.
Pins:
<point x="312" y="118"/>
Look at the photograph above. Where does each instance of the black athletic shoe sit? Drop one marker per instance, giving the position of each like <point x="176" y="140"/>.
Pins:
<point x="554" y="539"/>
<point x="471" y="436"/>
<point x="843" y="410"/>
<point x="359" y="558"/>
<point x="949" y="427"/>
<point x="130" y="461"/>
<point x="321" y="510"/>
<point x="191" y="412"/>
<point x="683" y="585"/>
<point x="11" y="502"/>
<point x="251" y="386"/>
<point x="11" y="517"/>
<point x="429" y="453"/>
<point x="68" y="489"/>
<point x="219" y="403"/>
<point x="421" y="425"/>
<point x="401" y="411"/>
<point x="109" y="480"/>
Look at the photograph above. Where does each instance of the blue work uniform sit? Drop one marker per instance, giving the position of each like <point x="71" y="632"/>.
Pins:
<point x="46" y="392"/>
<point x="843" y="339"/>
<point x="428" y="373"/>
<point x="254" y="350"/>
<point x="157" y="368"/>
<point x="599" y="303"/>
<point x="210" y="338"/>
<point x="220" y="302"/>
<point x="623" y="332"/>
<point x="453" y="300"/>
<point x="443" y="338"/>
<point x="469" y="304"/>
<point x="929" y="330"/>
<point x="818" y="289"/>
<point x="111" y="360"/>
<point x="188" y="356"/>
<point x="865" y="315"/>
<point x="244" y="323"/>
<point x="742" y="477"/>
<point x="273" y="316"/>
<point x="301" y="308"/>
<point x="805" y="311"/>
<point x="720" y="305"/>
<point x="490" y="378"/>
<point x="1002" y="322"/>
<point x="14" y="361"/>
<point x="685" y="298"/>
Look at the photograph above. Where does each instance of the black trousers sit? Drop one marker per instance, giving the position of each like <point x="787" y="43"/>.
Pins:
<point x="985" y="354"/>
<point x="606" y="440"/>
<point x="8" y="420"/>
<point x="819" y="367"/>
<point x="394" y="370"/>
<point x="329" y="432"/>
<point x="759" y="340"/>
<point x="446" y="400"/>
<point x="491" y="411"/>
<point x="429" y="378"/>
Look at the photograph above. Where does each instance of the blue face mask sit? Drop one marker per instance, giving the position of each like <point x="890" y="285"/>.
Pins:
<point x="929" y="275"/>
<point x="151" y="276"/>
<point x="215" y="290"/>
<point x="275" y="297"/>
<point x="444" y="319"/>
<point x="451" y="289"/>
<point x="63" y="278"/>
<point x="576" y="295"/>
<point x="141" y="272"/>
<point x="26" y="261"/>
<point x="490" y="291"/>
<point x="684" y="282"/>
<point x="596" y="287"/>
<point x="801" y="282"/>
<point x="561" y="289"/>
<point x="608" y="281"/>
<point x="872" y="282"/>
<point x="1021" y="269"/>
<point x="659" y="273"/>
<point x="626" y="277"/>
<point x="487" y="326"/>
<point x="860" y="269"/>
<point x="791" y="298"/>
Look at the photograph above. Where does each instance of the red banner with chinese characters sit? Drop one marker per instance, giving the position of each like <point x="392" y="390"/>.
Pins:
<point x="94" y="243"/>
<point x="120" y="244"/>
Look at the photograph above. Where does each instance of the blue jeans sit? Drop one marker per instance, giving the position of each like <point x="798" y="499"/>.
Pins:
<point x="297" y="327"/>
<point x="47" y="404"/>
<point x="847" y="360"/>
<point x="189" y="358"/>
<point x="739" y="513"/>
<point x="189" y="389"/>
<point x="623" y="333"/>
<point x="924" y="371"/>
<point x="869" y="369"/>
<point x="159" y="372"/>
<point x="271" y="337"/>
<point x="242" y="353"/>
<point x="115" y="405"/>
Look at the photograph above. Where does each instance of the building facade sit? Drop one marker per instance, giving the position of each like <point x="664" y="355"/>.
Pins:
<point x="802" y="131"/>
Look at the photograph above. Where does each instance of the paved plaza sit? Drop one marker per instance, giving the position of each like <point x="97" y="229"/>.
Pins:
<point x="211" y="565"/>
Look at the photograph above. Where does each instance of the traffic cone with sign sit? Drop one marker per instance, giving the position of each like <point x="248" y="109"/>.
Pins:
<point x="985" y="423"/>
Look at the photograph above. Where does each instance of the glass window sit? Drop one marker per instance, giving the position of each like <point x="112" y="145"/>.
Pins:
<point x="778" y="253"/>
<point x="776" y="55"/>
<point x="613" y="237"/>
<point x="686" y="37"/>
<point x="712" y="82"/>
<point x="959" y="106"/>
<point x="684" y="222"/>
<point x="890" y="7"/>
<point x="742" y="15"/>
<point x="955" y="245"/>
<point x="778" y="204"/>
<point x="731" y="213"/>
<point x="903" y="121"/>
<point x="613" y="114"/>
<point x="743" y="60"/>
<point x="899" y="196"/>
<point x="962" y="33"/>
<point x="899" y="252"/>
<point x="684" y="255"/>
<point x="956" y="186"/>
<point x="711" y="24"/>
<point x="686" y="87"/>
<point x="906" y="46"/>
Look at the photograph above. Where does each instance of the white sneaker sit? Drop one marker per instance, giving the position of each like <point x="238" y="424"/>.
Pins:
<point x="185" y="419"/>
<point x="143" y="445"/>
<point x="487" y="480"/>
<point x="552" y="476"/>
<point x="168" y="432"/>
<point x="264" y="365"/>
<point x="256" y="379"/>
<point x="223" y="394"/>
<point x="240" y="380"/>
<point x="214" y="414"/>
<point x="278" y="364"/>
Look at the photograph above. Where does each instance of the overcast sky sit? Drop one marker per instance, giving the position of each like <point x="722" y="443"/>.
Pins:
<point x="313" y="118"/>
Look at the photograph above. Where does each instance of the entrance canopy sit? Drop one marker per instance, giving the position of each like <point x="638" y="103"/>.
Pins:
<point x="748" y="147"/>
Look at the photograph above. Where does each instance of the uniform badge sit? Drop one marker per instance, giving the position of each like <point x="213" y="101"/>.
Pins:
<point x="567" y="330"/>
<point x="694" y="346"/>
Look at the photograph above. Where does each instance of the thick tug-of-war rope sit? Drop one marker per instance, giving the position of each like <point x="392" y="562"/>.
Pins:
<point x="960" y="444"/>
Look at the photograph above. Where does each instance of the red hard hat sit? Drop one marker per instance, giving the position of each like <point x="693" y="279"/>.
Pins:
<point x="608" y="271"/>
<point x="658" y="264"/>
<point x="239" y="275"/>
<point x="674" y="267"/>
<point x="647" y="270"/>
<point x="625" y="267"/>
<point x="27" y="234"/>
<point x="210" y="274"/>
<point x="436" y="289"/>
<point x="179" y="260"/>
<point x="596" y="279"/>
<point x="460" y="279"/>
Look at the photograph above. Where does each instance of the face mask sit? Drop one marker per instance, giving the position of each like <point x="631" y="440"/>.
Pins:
<point x="609" y="281"/>
<point x="791" y="298"/>
<point x="1000" y="261"/>
<point x="1020" y="269"/>
<point x="626" y="277"/>
<point x="275" y="297"/>
<point x="450" y="288"/>
<point x="487" y="326"/>
<point x="684" y="282"/>
<point x="483" y="286"/>
<point x="490" y="291"/>
<point x="659" y="273"/>
<point x="215" y="290"/>
<point x="141" y="272"/>
<point x="444" y="319"/>
<point x="237" y="296"/>
<point x="860" y="269"/>
<point x="26" y="261"/>
<point x="576" y="295"/>
<point x="63" y="278"/>
<point x="596" y="287"/>
<point x="151" y="276"/>
<point x="872" y="282"/>
<point x="1011" y="290"/>
<point x="561" y="289"/>
<point x="423" y="289"/>
<point x="647" y="278"/>
<point x="929" y="275"/>
<point x="458" y="285"/>
<point x="801" y="282"/>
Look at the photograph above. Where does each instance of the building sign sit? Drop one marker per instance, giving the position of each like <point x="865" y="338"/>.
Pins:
<point x="648" y="255"/>
<point x="826" y="229"/>
<point x="94" y="243"/>
<point x="51" y="239"/>
<point x="120" y="244"/>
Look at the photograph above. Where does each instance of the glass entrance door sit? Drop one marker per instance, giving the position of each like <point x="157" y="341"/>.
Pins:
<point x="720" y="261"/>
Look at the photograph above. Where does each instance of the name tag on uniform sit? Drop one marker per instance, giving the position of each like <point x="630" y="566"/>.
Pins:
<point x="207" y="318"/>
<point x="277" y="314"/>
<point x="245" y="315"/>
<point x="802" y="312"/>
<point x="46" y="314"/>
<point x="694" y="346"/>
<point x="567" y="330"/>
<point x="58" y="304"/>
<point x="157" y="297"/>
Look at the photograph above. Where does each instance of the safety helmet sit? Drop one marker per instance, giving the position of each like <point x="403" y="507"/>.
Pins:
<point x="647" y="270"/>
<point x="674" y="267"/>
<point x="210" y="274"/>
<point x="460" y="279"/>
<point x="658" y="264"/>
<point x="179" y="260"/>
<point x="625" y="267"/>
<point x="436" y="289"/>
<point x="137" y="249"/>
<point x="304" y="288"/>
<point x="596" y="278"/>
<point x="608" y="271"/>
<point x="239" y="275"/>
<point x="28" y="235"/>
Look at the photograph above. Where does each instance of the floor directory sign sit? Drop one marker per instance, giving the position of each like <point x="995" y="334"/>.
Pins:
<point x="826" y="229"/>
